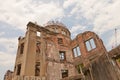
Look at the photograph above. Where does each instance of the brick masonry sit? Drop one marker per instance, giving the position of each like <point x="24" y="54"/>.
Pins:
<point x="41" y="55"/>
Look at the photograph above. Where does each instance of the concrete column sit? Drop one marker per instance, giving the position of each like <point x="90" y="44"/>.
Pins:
<point x="28" y="65"/>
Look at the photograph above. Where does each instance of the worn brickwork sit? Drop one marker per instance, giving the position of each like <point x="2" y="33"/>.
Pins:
<point x="88" y="55"/>
<point x="103" y="69"/>
<point x="8" y="75"/>
<point x="53" y="49"/>
<point x="49" y="53"/>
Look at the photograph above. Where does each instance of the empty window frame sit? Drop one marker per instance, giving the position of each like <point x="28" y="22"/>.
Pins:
<point x="38" y="33"/>
<point x="60" y="41"/>
<point x="62" y="56"/>
<point x="22" y="48"/>
<point x="79" y="68"/>
<point x="63" y="32"/>
<point x="76" y="51"/>
<point x="64" y="73"/>
<point x="18" y="69"/>
<point x="37" y="69"/>
<point x="90" y="44"/>
<point x="38" y="47"/>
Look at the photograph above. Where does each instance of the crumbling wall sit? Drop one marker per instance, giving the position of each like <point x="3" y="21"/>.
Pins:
<point x="8" y="75"/>
<point x="101" y="69"/>
<point x="54" y="65"/>
<point x="96" y="65"/>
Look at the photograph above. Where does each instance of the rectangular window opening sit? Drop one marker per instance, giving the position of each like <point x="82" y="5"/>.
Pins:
<point x="63" y="32"/>
<point x="90" y="44"/>
<point x="62" y="56"/>
<point x="76" y="51"/>
<point x="22" y="48"/>
<point x="79" y="68"/>
<point x="60" y="41"/>
<point x="18" y="69"/>
<point x="38" y="33"/>
<point x="64" y="73"/>
<point x="38" y="47"/>
<point x="37" y="69"/>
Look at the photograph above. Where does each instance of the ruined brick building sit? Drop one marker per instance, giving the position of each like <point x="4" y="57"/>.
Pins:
<point x="49" y="53"/>
<point x="8" y="75"/>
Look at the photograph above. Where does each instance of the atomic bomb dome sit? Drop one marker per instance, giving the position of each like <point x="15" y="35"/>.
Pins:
<point x="57" y="27"/>
<point x="48" y="53"/>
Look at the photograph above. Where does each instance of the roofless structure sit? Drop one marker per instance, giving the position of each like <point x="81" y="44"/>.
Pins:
<point x="49" y="53"/>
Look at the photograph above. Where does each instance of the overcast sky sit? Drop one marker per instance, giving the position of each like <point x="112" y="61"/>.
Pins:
<point x="100" y="16"/>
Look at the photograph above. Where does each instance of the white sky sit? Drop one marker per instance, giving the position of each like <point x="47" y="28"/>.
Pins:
<point x="100" y="16"/>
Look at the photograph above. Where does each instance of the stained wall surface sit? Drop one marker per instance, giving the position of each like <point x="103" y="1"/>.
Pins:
<point x="53" y="55"/>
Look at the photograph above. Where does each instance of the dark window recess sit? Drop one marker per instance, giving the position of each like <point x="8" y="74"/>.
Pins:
<point x="38" y="47"/>
<point x="22" y="48"/>
<point x="64" y="73"/>
<point x="62" y="56"/>
<point x="79" y="68"/>
<point x="90" y="44"/>
<point x="37" y="69"/>
<point x="79" y="79"/>
<point x="15" y="68"/>
<point x="18" y="69"/>
<point x="60" y="41"/>
<point x="76" y="51"/>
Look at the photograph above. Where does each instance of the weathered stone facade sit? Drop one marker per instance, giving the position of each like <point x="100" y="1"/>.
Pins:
<point x="8" y="75"/>
<point x="49" y="53"/>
